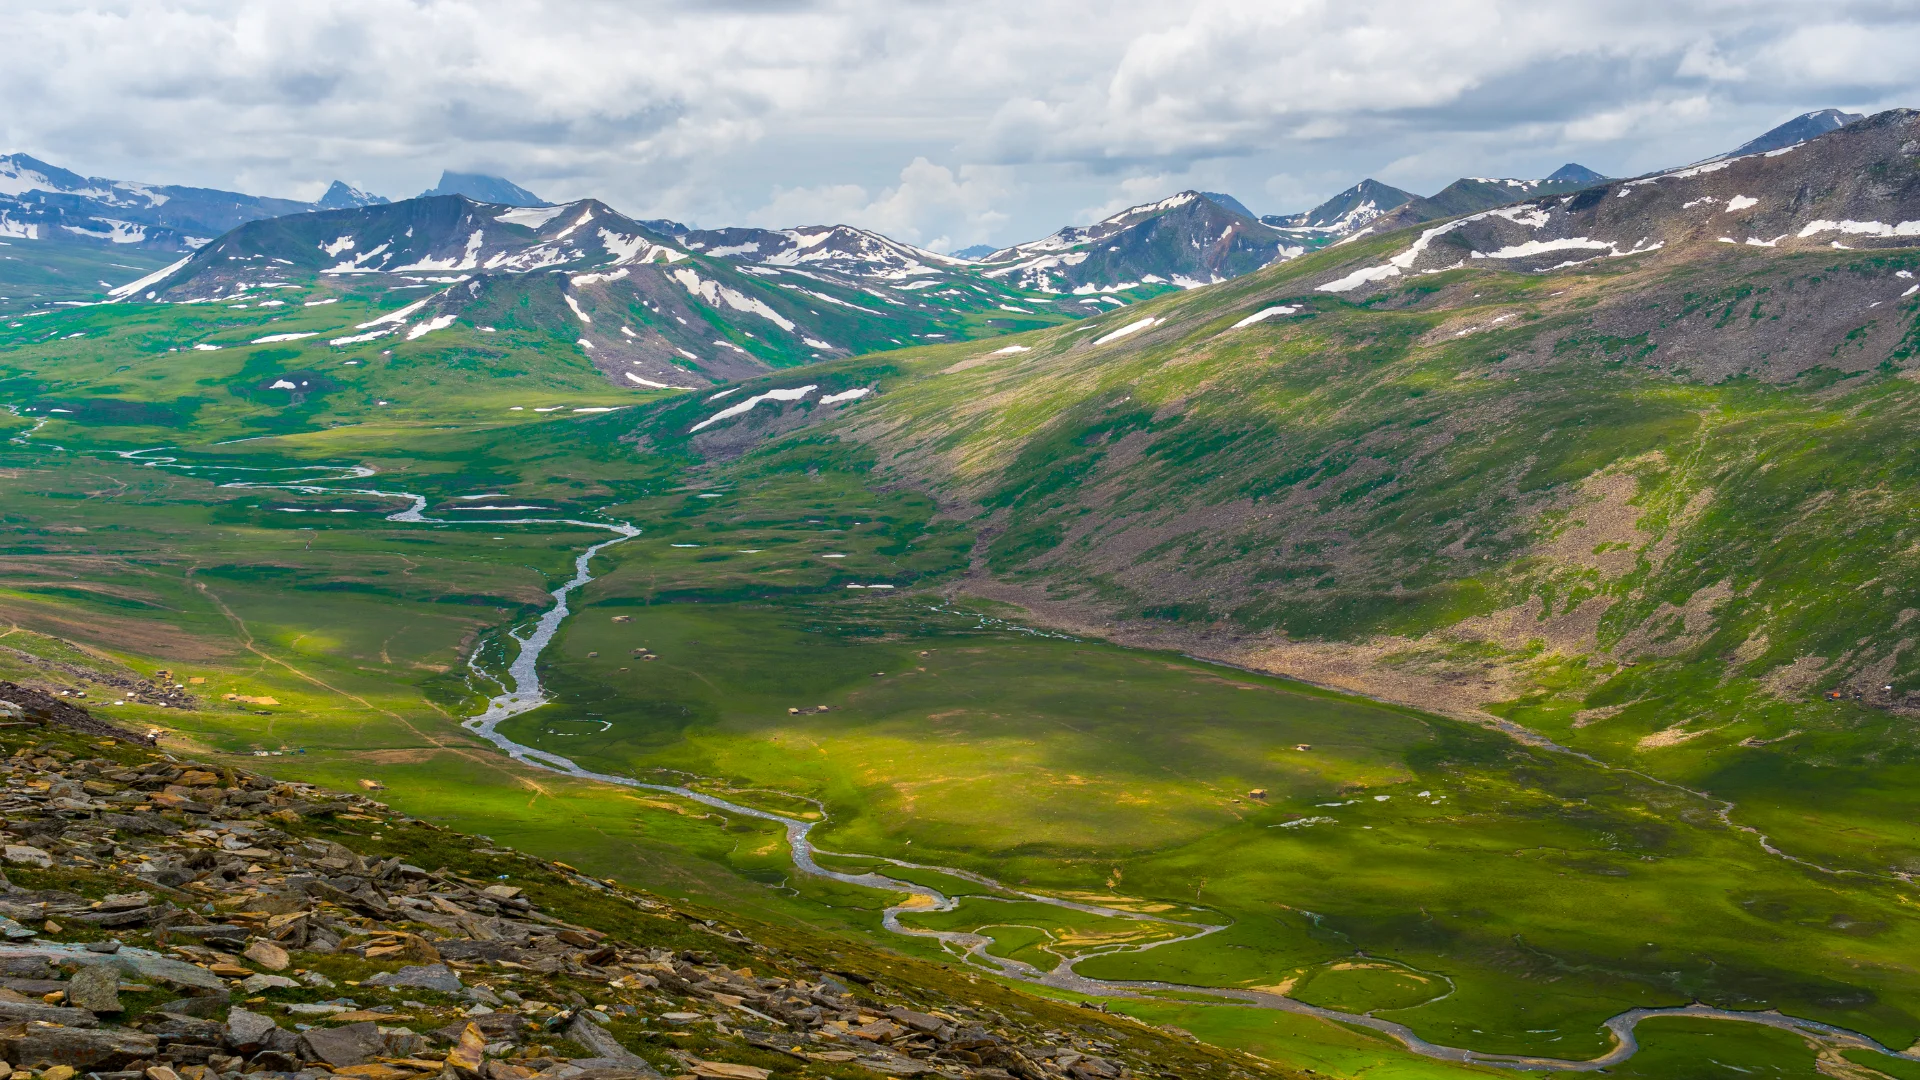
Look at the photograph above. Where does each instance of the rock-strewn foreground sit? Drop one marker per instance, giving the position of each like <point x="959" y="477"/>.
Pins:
<point x="169" y="920"/>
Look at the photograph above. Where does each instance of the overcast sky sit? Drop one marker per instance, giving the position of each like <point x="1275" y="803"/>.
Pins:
<point x="944" y="124"/>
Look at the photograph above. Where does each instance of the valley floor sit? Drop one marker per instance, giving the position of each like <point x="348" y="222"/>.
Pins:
<point x="762" y="644"/>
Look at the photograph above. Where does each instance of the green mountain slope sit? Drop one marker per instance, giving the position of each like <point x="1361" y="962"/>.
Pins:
<point x="1653" y="506"/>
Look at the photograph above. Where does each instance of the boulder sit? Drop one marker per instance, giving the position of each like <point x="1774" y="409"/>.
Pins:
<point x="349" y="1044"/>
<point x="267" y="955"/>
<point x="14" y="1011"/>
<point x="599" y="1040"/>
<point x="26" y="855"/>
<point x="80" y="1048"/>
<point x="468" y="1053"/>
<point x="249" y="1031"/>
<point x="256" y="983"/>
<point x="427" y="977"/>
<point x="96" y="988"/>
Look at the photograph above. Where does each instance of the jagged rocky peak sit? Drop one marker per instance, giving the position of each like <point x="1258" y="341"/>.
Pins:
<point x="483" y="188"/>
<point x="1798" y="130"/>
<point x="1347" y="211"/>
<point x="344" y="196"/>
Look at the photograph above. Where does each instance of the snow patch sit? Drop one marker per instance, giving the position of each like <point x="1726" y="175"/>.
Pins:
<point x="578" y="314"/>
<point x="1861" y="228"/>
<point x="847" y="395"/>
<point x="626" y="249"/>
<point x="1265" y="314"/>
<point x="154" y="278"/>
<point x="715" y="293"/>
<point x="590" y="279"/>
<point x="1131" y="328"/>
<point x="631" y="377"/>
<point x="1740" y="202"/>
<point x="531" y="217"/>
<point x="339" y="245"/>
<point x="438" y="322"/>
<point x="270" y="338"/>
<point x="793" y="394"/>
<point x="395" y="316"/>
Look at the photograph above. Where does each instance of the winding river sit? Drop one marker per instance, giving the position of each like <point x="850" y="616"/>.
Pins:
<point x="522" y="692"/>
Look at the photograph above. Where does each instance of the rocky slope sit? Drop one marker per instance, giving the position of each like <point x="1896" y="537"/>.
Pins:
<point x="166" y="919"/>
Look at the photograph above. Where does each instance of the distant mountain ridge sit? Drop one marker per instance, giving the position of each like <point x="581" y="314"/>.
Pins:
<point x="672" y="308"/>
<point x="342" y="196"/>
<point x="1347" y="211"/>
<point x="1187" y="239"/>
<point x="1798" y="130"/>
<point x="481" y="187"/>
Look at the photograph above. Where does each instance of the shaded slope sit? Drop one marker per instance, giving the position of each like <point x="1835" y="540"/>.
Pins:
<point x="1797" y="130"/>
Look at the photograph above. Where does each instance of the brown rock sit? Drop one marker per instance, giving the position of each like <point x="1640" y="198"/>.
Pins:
<point x="375" y="1071"/>
<point x="267" y="955"/>
<point x="727" y="1070"/>
<point x="466" y="1056"/>
<point x="411" y="948"/>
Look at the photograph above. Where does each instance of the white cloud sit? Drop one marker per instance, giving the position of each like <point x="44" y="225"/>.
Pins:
<point x="931" y="205"/>
<point x="1015" y="116"/>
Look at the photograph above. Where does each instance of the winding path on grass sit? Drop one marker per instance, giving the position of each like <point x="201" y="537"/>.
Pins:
<point x="522" y="692"/>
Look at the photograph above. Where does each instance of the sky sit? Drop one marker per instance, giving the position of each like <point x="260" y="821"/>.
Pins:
<point x="941" y="124"/>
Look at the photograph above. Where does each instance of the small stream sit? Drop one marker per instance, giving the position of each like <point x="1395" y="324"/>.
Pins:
<point x="522" y="692"/>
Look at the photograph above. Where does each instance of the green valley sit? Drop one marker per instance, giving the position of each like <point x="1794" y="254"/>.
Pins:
<point x="1383" y="673"/>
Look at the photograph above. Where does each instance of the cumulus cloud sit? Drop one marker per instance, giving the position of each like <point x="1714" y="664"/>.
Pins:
<point x="991" y="120"/>
<point x="931" y="205"/>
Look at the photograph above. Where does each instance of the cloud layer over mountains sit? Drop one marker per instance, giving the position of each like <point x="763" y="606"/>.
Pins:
<point x="943" y="124"/>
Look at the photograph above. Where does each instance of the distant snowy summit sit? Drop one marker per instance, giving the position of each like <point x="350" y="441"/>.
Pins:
<point x="342" y="196"/>
<point x="482" y="188"/>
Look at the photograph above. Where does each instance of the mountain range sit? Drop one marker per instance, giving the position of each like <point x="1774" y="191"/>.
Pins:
<point x="83" y="233"/>
<point x="649" y="308"/>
